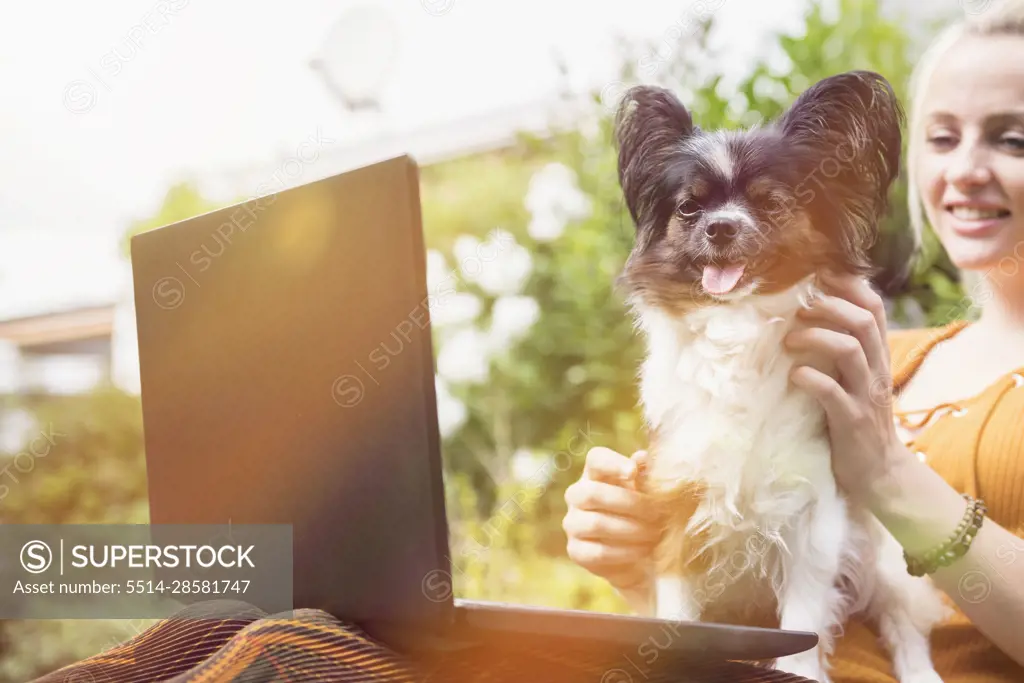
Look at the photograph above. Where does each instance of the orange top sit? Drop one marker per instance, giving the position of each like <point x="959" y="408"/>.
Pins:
<point x="977" y="446"/>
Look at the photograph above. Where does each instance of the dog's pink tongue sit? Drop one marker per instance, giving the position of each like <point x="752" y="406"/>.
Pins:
<point x="719" y="280"/>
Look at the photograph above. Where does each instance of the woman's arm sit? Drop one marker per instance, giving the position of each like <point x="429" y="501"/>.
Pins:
<point x="874" y="468"/>
<point x="921" y="510"/>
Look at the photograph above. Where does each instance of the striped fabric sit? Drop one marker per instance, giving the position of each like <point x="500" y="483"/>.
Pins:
<point x="229" y="642"/>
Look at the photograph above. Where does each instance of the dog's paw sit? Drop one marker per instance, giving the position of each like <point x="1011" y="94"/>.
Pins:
<point x="928" y="676"/>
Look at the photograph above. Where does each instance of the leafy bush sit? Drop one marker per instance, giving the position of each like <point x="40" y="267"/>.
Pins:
<point x="83" y="463"/>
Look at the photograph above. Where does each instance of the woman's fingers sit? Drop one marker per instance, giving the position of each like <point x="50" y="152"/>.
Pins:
<point x="604" y="464"/>
<point x="842" y="349"/>
<point x="857" y="291"/>
<point x="817" y="361"/>
<point x="834" y="312"/>
<point x="602" y="559"/>
<point x="610" y="529"/>
<point x="597" y="496"/>
<point x="833" y="398"/>
<point x="641" y="460"/>
<point x="627" y="576"/>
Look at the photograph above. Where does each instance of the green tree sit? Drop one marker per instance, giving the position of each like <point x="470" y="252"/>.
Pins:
<point x="182" y="200"/>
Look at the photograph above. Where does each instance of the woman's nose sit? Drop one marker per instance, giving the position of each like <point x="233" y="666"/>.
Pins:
<point x="968" y="167"/>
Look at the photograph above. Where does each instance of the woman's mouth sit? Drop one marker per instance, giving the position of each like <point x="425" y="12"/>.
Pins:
<point x="975" y="220"/>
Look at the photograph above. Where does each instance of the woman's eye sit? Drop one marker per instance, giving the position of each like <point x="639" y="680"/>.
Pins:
<point x="1015" y="142"/>
<point x="688" y="208"/>
<point x="941" y="140"/>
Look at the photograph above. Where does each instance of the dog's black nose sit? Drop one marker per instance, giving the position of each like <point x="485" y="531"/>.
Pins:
<point x="723" y="231"/>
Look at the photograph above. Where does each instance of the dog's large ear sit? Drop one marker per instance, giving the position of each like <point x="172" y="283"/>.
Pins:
<point x="650" y="123"/>
<point x="857" y="111"/>
<point x="852" y="122"/>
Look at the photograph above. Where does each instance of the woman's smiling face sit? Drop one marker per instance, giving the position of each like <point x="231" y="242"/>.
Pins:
<point x="970" y="167"/>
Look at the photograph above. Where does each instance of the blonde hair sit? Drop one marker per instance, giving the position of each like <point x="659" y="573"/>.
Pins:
<point x="999" y="18"/>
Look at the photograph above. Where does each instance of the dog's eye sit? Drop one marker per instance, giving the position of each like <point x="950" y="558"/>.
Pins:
<point x="776" y="203"/>
<point x="688" y="208"/>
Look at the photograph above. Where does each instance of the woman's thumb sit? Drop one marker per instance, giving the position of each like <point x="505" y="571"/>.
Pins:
<point x="639" y="461"/>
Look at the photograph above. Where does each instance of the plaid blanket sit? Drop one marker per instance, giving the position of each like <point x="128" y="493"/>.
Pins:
<point x="227" y="642"/>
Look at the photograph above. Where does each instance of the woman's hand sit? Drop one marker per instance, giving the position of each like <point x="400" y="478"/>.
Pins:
<point x="611" y="527"/>
<point x="918" y="507"/>
<point x="847" y="328"/>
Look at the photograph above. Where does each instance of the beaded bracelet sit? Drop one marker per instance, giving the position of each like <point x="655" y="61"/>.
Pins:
<point x="958" y="544"/>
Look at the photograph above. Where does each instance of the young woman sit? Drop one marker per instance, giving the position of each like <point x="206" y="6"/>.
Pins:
<point x="955" y="424"/>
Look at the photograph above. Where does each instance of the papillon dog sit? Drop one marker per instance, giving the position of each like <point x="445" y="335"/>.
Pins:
<point x="733" y="229"/>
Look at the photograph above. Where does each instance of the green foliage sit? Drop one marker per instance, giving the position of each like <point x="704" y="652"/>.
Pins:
<point x="85" y="465"/>
<point x="498" y="557"/>
<point x="182" y="201"/>
<point x="95" y="472"/>
<point x="452" y="191"/>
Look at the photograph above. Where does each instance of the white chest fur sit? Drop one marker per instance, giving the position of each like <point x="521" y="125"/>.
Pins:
<point x="723" y="414"/>
<point x="716" y="393"/>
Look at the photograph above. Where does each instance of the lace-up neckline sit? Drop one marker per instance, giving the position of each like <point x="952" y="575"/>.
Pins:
<point x="913" y="422"/>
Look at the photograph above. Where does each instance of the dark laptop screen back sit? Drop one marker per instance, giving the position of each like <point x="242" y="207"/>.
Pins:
<point x="287" y="377"/>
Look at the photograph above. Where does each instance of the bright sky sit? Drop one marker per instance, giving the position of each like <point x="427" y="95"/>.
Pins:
<point x="93" y="128"/>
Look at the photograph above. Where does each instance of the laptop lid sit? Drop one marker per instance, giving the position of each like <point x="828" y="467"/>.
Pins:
<point x="287" y="377"/>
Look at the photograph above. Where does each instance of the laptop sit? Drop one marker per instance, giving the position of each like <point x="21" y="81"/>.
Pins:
<point x="287" y="377"/>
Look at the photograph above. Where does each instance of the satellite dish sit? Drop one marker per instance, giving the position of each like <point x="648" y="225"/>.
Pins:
<point x="357" y="56"/>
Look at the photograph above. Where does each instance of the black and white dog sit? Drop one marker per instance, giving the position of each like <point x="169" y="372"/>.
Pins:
<point x="732" y="229"/>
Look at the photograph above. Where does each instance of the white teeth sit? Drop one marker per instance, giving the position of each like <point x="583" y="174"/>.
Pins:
<point x="971" y="214"/>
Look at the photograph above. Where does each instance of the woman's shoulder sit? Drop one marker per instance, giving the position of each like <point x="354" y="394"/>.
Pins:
<point x="908" y="346"/>
<point x="903" y="340"/>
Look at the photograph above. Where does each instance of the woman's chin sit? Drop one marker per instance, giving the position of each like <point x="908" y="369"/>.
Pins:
<point x="972" y="259"/>
<point x="985" y="255"/>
